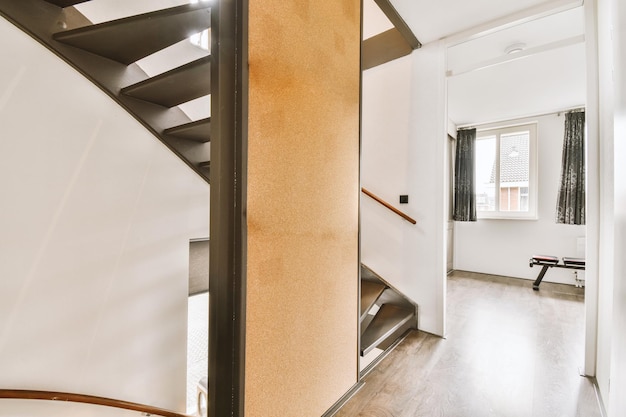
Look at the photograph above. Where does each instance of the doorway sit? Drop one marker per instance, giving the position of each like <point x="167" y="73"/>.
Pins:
<point x="529" y="69"/>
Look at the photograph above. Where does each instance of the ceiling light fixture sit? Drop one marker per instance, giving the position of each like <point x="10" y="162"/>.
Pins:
<point x="514" y="48"/>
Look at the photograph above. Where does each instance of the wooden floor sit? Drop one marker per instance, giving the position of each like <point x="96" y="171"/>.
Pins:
<point x="509" y="352"/>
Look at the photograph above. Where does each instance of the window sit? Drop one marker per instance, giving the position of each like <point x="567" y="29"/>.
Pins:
<point x="506" y="173"/>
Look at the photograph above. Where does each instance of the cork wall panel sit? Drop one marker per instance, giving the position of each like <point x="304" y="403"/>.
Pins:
<point x="302" y="211"/>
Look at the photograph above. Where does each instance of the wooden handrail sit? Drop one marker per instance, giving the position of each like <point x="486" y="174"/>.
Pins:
<point x="87" y="399"/>
<point x="389" y="206"/>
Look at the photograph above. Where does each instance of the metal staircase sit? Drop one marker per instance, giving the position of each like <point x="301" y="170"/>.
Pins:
<point x="107" y="54"/>
<point x="386" y="315"/>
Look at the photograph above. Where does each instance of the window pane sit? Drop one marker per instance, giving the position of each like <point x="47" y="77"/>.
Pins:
<point x="514" y="171"/>
<point x="485" y="174"/>
<point x="524" y="198"/>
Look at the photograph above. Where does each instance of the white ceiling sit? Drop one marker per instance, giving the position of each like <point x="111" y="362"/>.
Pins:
<point x="432" y="20"/>
<point x="485" y="84"/>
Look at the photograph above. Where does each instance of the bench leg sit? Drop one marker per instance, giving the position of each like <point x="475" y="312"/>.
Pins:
<point x="540" y="277"/>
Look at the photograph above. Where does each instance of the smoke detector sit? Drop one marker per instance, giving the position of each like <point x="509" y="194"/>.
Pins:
<point x="515" y="48"/>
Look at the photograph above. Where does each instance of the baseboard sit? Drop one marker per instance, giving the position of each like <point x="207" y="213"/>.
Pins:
<point x="344" y="399"/>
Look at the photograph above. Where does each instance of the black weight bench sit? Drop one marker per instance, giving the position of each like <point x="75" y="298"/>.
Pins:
<point x="553" y="262"/>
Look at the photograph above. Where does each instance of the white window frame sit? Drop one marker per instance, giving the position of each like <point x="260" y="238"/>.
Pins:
<point x="533" y="191"/>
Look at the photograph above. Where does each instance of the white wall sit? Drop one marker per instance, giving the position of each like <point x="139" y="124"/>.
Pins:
<point x="403" y="152"/>
<point x="611" y="89"/>
<point x="95" y="218"/>
<point x="617" y="402"/>
<point x="599" y="56"/>
<point x="503" y="247"/>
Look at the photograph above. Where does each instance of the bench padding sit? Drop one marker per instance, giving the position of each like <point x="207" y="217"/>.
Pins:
<point x="545" y="260"/>
<point x="573" y="261"/>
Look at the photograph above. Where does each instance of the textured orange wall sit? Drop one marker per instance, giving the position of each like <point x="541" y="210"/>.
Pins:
<point x="303" y="193"/>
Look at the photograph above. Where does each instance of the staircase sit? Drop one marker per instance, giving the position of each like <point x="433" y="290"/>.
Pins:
<point x="386" y="315"/>
<point x="108" y="53"/>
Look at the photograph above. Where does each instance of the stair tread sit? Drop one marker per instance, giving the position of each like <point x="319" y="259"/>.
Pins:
<point x="389" y="318"/>
<point x="370" y="291"/>
<point x="176" y="86"/>
<point x="66" y="3"/>
<point x="199" y="131"/>
<point x="131" y="38"/>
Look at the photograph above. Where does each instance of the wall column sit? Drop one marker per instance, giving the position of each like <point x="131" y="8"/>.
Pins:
<point x="302" y="205"/>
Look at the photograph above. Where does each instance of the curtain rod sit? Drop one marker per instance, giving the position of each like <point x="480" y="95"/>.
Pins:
<point x="558" y="112"/>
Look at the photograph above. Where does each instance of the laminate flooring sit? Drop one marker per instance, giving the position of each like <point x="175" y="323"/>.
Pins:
<point x="509" y="352"/>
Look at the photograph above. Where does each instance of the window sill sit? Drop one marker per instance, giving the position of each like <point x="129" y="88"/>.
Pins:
<point x="493" y="217"/>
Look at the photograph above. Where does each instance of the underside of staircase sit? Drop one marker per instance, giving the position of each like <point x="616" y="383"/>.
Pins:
<point x="107" y="54"/>
<point x="386" y="315"/>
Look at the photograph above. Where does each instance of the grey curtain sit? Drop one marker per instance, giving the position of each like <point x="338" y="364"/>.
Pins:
<point x="464" y="187"/>
<point x="570" y="207"/>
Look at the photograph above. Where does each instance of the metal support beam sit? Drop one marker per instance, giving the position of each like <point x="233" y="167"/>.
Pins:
<point x="227" y="284"/>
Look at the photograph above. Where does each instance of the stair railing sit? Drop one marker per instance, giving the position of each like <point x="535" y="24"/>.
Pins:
<point x="18" y="394"/>
<point x="389" y="206"/>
